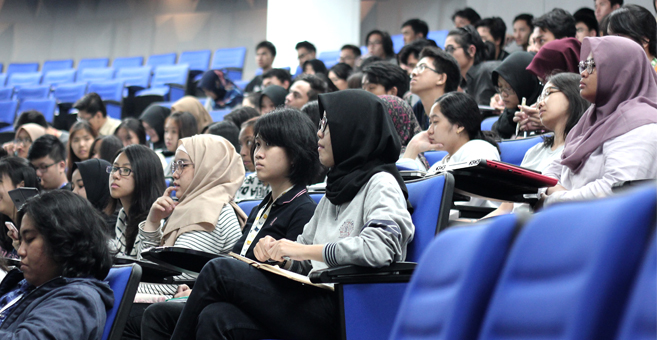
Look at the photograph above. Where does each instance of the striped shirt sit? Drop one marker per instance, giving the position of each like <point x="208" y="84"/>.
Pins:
<point x="119" y="242"/>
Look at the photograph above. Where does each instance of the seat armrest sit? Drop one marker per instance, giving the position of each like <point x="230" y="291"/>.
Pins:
<point x="396" y="272"/>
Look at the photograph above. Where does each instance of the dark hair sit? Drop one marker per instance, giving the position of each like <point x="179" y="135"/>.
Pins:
<point x="418" y="26"/>
<point x="355" y="49"/>
<point x="355" y="80"/>
<point x="559" y="22"/>
<point x="109" y="145"/>
<point x="72" y="157"/>
<point x="467" y="36"/>
<point x="91" y="103"/>
<point x="467" y="13"/>
<point x="18" y="170"/>
<point x="317" y="65"/>
<point x="186" y="123"/>
<point x="526" y="17"/>
<point x="388" y="75"/>
<point x="73" y="233"/>
<point x="444" y="62"/>
<point x="227" y="130"/>
<point x="279" y="73"/>
<point x="342" y="70"/>
<point x="317" y="85"/>
<point x="268" y="45"/>
<point x="135" y="126"/>
<point x="254" y="97"/>
<point x="414" y="48"/>
<point x="496" y="26"/>
<point x="31" y="116"/>
<point x="616" y="2"/>
<point x="385" y="39"/>
<point x="460" y="108"/>
<point x="603" y="25"/>
<point x="307" y="45"/>
<point x="293" y="131"/>
<point x="47" y="145"/>
<point x="149" y="185"/>
<point x="636" y="23"/>
<point x="241" y="115"/>
<point x="311" y="109"/>
<point x="587" y="17"/>
<point x="568" y="84"/>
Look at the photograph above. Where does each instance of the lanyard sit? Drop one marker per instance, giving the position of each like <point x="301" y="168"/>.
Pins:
<point x="259" y="222"/>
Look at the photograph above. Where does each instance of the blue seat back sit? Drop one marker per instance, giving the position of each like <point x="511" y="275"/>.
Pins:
<point x="8" y="111"/>
<point x="157" y="60"/>
<point x="397" y="42"/>
<point x="241" y="84"/>
<point x="316" y="197"/>
<point x="108" y="90"/>
<point x="33" y="92"/>
<point x="24" y="79"/>
<point x="92" y="63"/>
<point x="3" y="79"/>
<point x="69" y="93"/>
<point x="197" y="60"/>
<point x="439" y="37"/>
<point x="487" y="123"/>
<point x="218" y="115"/>
<point x="95" y="74"/>
<point x="55" y="65"/>
<point x="176" y="74"/>
<point x="434" y="157"/>
<point x="56" y="77"/>
<point x="45" y="106"/>
<point x="329" y="57"/>
<point x="135" y="76"/>
<point x="640" y="317"/>
<point x="248" y="205"/>
<point x="455" y="278"/>
<point x="570" y="270"/>
<point x="124" y="281"/>
<point x="6" y="93"/>
<point x="231" y="60"/>
<point x="513" y="151"/>
<point x="22" y="68"/>
<point x="123" y="62"/>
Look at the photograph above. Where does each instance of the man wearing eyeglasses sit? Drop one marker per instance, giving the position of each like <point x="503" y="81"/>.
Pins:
<point x="305" y="51"/>
<point x="47" y="155"/>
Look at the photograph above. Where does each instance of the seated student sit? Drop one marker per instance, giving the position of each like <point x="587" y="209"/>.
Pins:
<point x="25" y="135"/>
<point x="403" y="119"/>
<point x="251" y="100"/>
<point x="79" y="146"/>
<point x="522" y="29"/>
<point x="136" y="180"/>
<point x="34" y="116"/>
<point x="227" y="130"/>
<point x="90" y="181"/>
<point x="311" y="109"/>
<point x="241" y="115"/>
<point x="616" y="138"/>
<point x="355" y="80"/>
<point x="466" y="46"/>
<point x="192" y="105"/>
<point x="560" y="107"/>
<point x="265" y="55"/>
<point x="556" y="56"/>
<point x="130" y="131"/>
<point x="288" y="207"/>
<point x="105" y="147"/>
<point x="177" y="126"/>
<point x="92" y="109"/>
<point x="379" y="44"/>
<point x="276" y="76"/>
<point x="273" y="97"/>
<point x="252" y="188"/>
<point x="383" y="77"/>
<point x="553" y="25"/>
<point x="314" y="66"/>
<point x="514" y="83"/>
<point x="636" y="23"/>
<point x="414" y="30"/>
<point x="350" y="55"/>
<point x="58" y="293"/>
<point x="409" y="55"/>
<point x="585" y="23"/>
<point x="338" y="74"/>
<point x="305" y="51"/>
<point x="493" y="30"/>
<point x="305" y="88"/>
<point x="221" y="91"/>
<point x="604" y="7"/>
<point x="15" y="172"/>
<point x="47" y="155"/>
<point x="153" y="122"/>
<point x="465" y="17"/>
<point x="362" y="220"/>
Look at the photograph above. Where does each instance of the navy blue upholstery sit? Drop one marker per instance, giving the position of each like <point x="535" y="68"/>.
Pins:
<point x="124" y="281"/>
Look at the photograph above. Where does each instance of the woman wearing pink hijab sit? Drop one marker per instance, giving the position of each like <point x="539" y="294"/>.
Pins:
<point x="616" y="138"/>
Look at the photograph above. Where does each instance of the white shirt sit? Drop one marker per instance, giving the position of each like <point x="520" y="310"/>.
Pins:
<point x="538" y="158"/>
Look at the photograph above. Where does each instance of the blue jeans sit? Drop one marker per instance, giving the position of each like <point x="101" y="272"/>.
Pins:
<point x="233" y="300"/>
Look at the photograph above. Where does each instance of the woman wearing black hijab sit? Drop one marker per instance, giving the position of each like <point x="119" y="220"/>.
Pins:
<point x="153" y="121"/>
<point x="95" y="181"/>
<point x="273" y="97"/>
<point x="363" y="220"/>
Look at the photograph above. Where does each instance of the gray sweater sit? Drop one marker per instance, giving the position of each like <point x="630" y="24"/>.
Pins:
<point x="372" y="230"/>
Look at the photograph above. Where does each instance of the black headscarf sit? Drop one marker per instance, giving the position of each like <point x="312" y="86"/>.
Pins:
<point x="95" y="177"/>
<point x="364" y="142"/>
<point x="155" y="115"/>
<point x="215" y="82"/>
<point x="276" y="94"/>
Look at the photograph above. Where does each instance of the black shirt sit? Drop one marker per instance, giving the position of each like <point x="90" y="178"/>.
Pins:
<point x="287" y="217"/>
<point x="480" y="82"/>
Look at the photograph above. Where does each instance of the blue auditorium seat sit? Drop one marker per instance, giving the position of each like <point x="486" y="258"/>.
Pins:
<point x="487" y="123"/>
<point x="231" y="60"/>
<point x="123" y="62"/>
<point x="91" y="63"/>
<point x="45" y="106"/>
<point x="111" y="92"/>
<point x="241" y="84"/>
<point x="69" y="93"/>
<point x="3" y="79"/>
<point x="6" y="93"/>
<point x="157" y="60"/>
<point x="95" y="74"/>
<point x="24" y="79"/>
<point x="168" y="82"/>
<point x="513" y="151"/>
<point x="33" y="92"/>
<point x="8" y="111"/>
<point x="434" y="157"/>
<point x="197" y="60"/>
<point x="439" y="37"/>
<point x="397" y="42"/>
<point x="248" y="205"/>
<point x="56" y="65"/>
<point x="124" y="281"/>
<point x="22" y="68"/>
<point x="56" y="77"/>
<point x="135" y="76"/>
<point x="218" y="115"/>
<point x="329" y="58"/>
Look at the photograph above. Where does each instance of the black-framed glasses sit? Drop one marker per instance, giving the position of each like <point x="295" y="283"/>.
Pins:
<point x="505" y="90"/>
<point x="125" y="172"/>
<point x="42" y="167"/>
<point x="421" y="67"/>
<point x="588" y="65"/>
<point x="450" y="49"/>
<point x="322" y="124"/>
<point x="179" y="165"/>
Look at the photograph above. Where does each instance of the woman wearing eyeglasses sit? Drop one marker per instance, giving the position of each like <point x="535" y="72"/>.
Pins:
<point x="25" y="135"/>
<point x="616" y="138"/>
<point x="136" y="180"/>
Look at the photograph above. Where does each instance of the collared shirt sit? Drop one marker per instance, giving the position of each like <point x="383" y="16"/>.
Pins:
<point x="480" y="82"/>
<point x="109" y="127"/>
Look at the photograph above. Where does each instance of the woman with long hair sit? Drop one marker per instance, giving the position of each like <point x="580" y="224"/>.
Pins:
<point x="80" y="141"/>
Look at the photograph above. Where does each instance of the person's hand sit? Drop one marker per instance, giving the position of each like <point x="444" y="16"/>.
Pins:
<point x="287" y="248"/>
<point x="497" y="103"/>
<point x="12" y="232"/>
<point x="263" y="247"/>
<point x="554" y="189"/>
<point x="421" y="143"/>
<point x="162" y="207"/>
<point x="182" y="291"/>
<point x="528" y="118"/>
<point x="10" y="147"/>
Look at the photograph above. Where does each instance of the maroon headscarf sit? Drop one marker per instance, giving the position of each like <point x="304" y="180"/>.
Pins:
<point x="626" y="97"/>
<point x="557" y="55"/>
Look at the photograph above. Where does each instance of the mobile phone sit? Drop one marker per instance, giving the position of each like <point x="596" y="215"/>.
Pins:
<point x="11" y="227"/>
<point x="21" y="195"/>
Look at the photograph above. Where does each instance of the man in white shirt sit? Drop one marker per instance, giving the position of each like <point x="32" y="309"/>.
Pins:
<point x="92" y="109"/>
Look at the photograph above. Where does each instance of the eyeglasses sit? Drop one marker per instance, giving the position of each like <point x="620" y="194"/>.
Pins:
<point x="322" y="124"/>
<point x="450" y="49"/>
<point x="125" y="172"/>
<point x="420" y="68"/>
<point x="587" y="65"/>
<point x="546" y="93"/>
<point x="505" y="90"/>
<point x="375" y="42"/>
<point x="179" y="165"/>
<point x="24" y="141"/>
<point x="43" y="168"/>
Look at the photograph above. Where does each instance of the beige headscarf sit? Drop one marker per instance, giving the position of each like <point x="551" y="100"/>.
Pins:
<point x="34" y="130"/>
<point x="192" y="105"/>
<point x="218" y="174"/>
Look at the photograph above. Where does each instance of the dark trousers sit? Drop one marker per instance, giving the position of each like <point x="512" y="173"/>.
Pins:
<point x="233" y="300"/>
<point x="132" y="330"/>
<point x="160" y="320"/>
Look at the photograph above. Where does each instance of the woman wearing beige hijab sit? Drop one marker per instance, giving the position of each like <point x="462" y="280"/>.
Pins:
<point x="192" y="105"/>
<point x="25" y="136"/>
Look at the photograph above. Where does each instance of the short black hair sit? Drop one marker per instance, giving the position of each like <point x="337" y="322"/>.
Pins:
<point x="268" y="45"/>
<point x="467" y="13"/>
<point x="616" y="2"/>
<point x="369" y="60"/>
<point x="317" y="85"/>
<point x="73" y="231"/>
<point x="355" y="49"/>
<point x="135" y="126"/>
<point x="559" y="22"/>
<point x="186" y="123"/>
<point x="109" y="145"/>
<point x="413" y="49"/>
<point x="460" y="108"/>
<point x="307" y="45"/>
<point x="31" y="116"/>
<point x="242" y="114"/>
<point x="19" y="170"/>
<point x="47" y="145"/>
<point x="444" y="62"/>
<point x="91" y="103"/>
<point x="526" y="17"/>
<point x="468" y="35"/>
<point x="387" y="74"/>
<point x="355" y="80"/>
<point x="279" y="73"/>
<point x="311" y="108"/>
<point x="253" y="97"/>
<point x="496" y="26"/>
<point x="587" y="17"/>
<point x="227" y="130"/>
<point x="386" y="40"/>
<point x="295" y="132"/>
<point x="342" y="70"/>
<point x="418" y="26"/>
<point x="317" y="65"/>
<point x="637" y="23"/>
